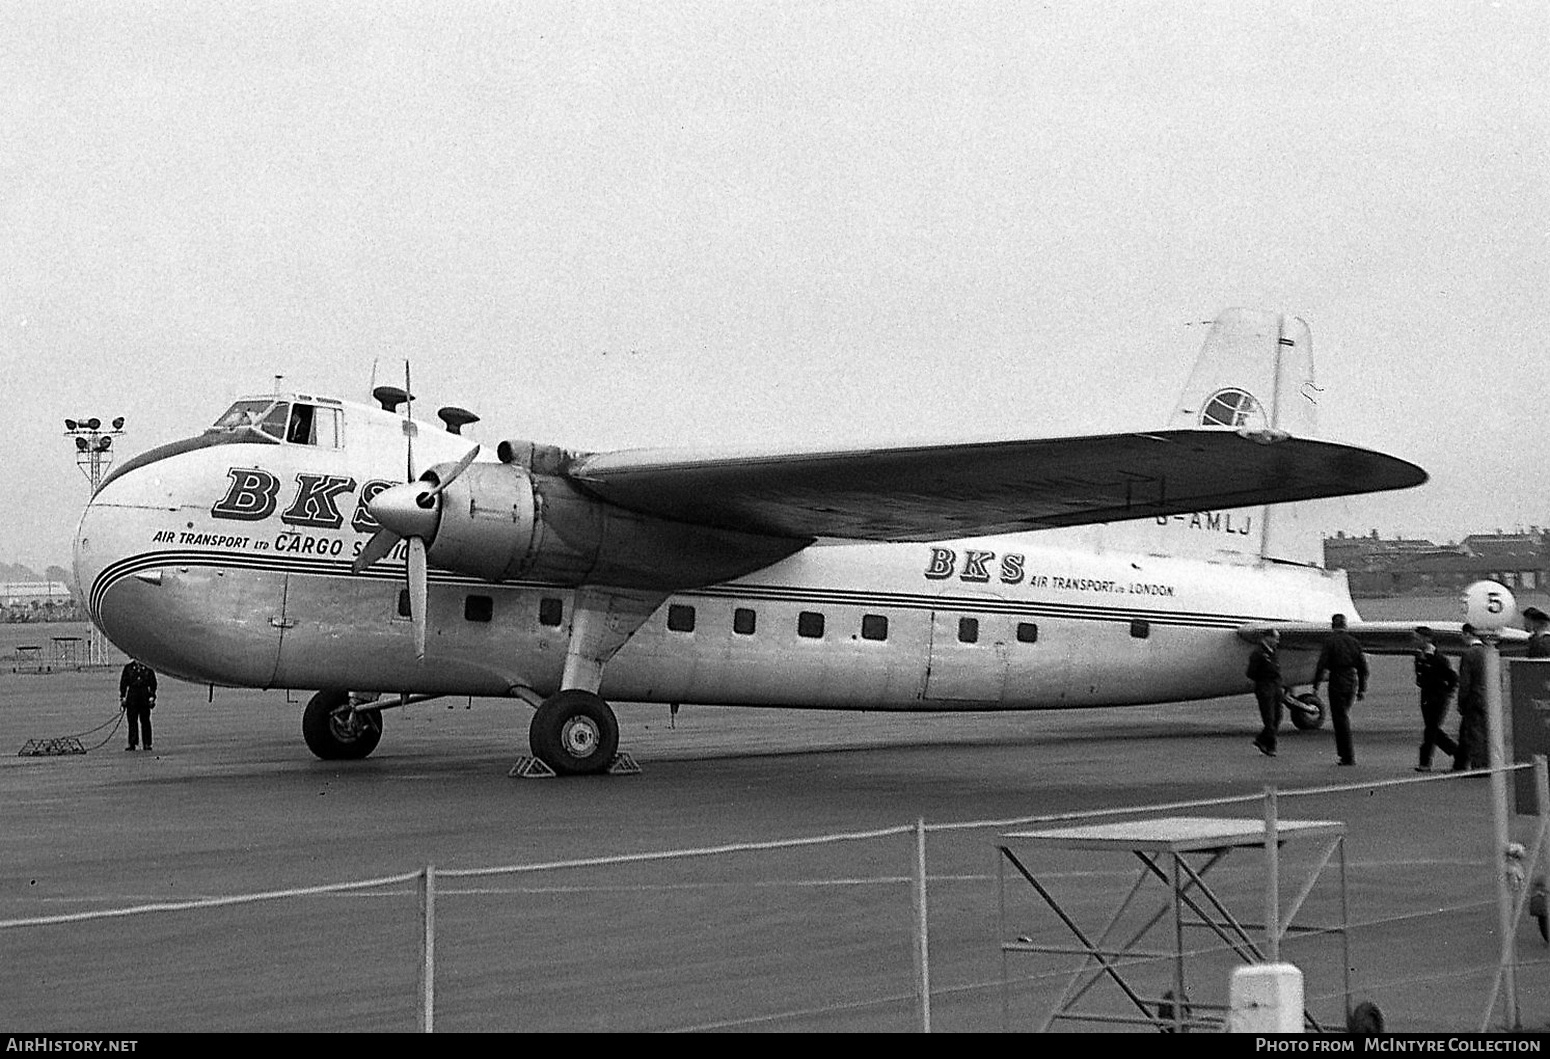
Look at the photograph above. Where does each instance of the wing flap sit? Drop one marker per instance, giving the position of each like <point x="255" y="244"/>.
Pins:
<point x="935" y="492"/>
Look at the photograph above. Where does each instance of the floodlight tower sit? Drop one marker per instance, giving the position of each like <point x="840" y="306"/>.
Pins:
<point x="93" y="446"/>
<point x="94" y="455"/>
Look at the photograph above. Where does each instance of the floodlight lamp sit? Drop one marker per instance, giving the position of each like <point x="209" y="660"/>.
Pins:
<point x="80" y="444"/>
<point x="104" y="443"/>
<point x="118" y="424"/>
<point x="93" y="423"/>
<point x="69" y="424"/>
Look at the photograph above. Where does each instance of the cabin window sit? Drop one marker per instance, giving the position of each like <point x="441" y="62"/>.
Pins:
<point x="1140" y="629"/>
<point x="550" y="611"/>
<point x="743" y="621"/>
<point x="403" y="603"/>
<point x="874" y="627"/>
<point x="1027" y="632"/>
<point x="478" y="608"/>
<point x="810" y="625"/>
<point x="680" y="618"/>
<point x="968" y="630"/>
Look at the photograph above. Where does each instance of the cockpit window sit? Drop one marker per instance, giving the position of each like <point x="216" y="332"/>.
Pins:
<point x="274" y="423"/>
<point x="299" y="424"/>
<point x="311" y="425"/>
<point x="242" y="414"/>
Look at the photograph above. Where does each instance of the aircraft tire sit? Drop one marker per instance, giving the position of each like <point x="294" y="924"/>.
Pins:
<point x="1304" y="721"/>
<point x="334" y="732"/>
<point x="575" y="733"/>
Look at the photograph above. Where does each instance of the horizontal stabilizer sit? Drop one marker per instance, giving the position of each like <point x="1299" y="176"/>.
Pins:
<point x="936" y="492"/>
<point x="1381" y="637"/>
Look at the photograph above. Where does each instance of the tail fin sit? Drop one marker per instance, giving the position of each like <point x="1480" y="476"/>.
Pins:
<point x="1255" y="372"/>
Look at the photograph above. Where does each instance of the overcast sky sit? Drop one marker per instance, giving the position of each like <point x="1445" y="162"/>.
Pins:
<point x="611" y="225"/>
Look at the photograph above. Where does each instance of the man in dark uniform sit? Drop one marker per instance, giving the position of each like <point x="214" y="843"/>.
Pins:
<point x="1342" y="659"/>
<point x="1265" y="671"/>
<point x="1538" y="632"/>
<point x="1435" y="677"/>
<point x="1472" y="751"/>
<point x="137" y="696"/>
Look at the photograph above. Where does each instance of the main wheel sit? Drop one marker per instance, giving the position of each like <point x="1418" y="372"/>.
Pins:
<point x="1307" y="711"/>
<point x="574" y="733"/>
<point x="335" y="732"/>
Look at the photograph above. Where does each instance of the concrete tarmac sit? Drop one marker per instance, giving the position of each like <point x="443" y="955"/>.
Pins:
<point x="814" y="938"/>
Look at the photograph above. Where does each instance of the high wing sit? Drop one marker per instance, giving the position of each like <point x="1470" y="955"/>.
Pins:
<point x="934" y="492"/>
<point x="1380" y="637"/>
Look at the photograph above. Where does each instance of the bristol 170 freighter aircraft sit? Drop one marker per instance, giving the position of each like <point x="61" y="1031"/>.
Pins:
<point x="304" y="542"/>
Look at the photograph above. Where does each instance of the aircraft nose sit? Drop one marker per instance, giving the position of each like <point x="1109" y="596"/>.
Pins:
<point x="407" y="510"/>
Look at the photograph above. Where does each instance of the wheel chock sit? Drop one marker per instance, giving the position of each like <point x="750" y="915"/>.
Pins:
<point x="530" y="768"/>
<point x="50" y="747"/>
<point x="623" y="765"/>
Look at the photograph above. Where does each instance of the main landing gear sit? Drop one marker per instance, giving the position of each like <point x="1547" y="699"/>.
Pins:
<point x="336" y="731"/>
<point x="575" y="733"/>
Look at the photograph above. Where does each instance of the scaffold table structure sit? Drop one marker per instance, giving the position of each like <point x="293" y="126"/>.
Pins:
<point x="1177" y="853"/>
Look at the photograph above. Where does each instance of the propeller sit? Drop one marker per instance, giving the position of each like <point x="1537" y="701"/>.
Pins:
<point x="411" y="512"/>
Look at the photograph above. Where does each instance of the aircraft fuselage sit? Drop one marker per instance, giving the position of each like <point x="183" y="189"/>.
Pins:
<point x="231" y="564"/>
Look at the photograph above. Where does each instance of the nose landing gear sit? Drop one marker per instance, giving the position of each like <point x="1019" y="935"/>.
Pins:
<point x="335" y="731"/>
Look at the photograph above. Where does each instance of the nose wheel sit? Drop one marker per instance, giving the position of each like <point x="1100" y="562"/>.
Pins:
<point x="575" y="733"/>
<point x="334" y="731"/>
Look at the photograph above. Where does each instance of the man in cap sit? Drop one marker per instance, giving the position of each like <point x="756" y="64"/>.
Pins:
<point x="1342" y="659"/>
<point x="1265" y="671"/>
<point x="1538" y="623"/>
<point x="1472" y="751"/>
<point x="1435" y="677"/>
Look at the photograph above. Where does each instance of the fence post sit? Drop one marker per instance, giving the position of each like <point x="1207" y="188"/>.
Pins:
<point x="1272" y="878"/>
<point x="1495" y="727"/>
<point x="922" y="950"/>
<point x="427" y="1019"/>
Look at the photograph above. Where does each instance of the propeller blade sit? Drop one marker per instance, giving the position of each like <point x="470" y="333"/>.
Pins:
<point x="379" y="545"/>
<point x="457" y="469"/>
<point x="417" y="593"/>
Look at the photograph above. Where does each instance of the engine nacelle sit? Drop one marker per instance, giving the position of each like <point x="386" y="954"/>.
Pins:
<point x="504" y="522"/>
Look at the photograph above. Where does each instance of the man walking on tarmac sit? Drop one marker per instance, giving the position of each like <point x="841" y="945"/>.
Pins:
<point x="1472" y="751"/>
<point x="137" y="696"/>
<point x="1342" y="659"/>
<point x="1435" y="677"/>
<point x="1265" y="671"/>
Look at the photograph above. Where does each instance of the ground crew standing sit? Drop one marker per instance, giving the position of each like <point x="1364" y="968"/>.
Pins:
<point x="1435" y="677"/>
<point x="1265" y="671"/>
<point x="137" y="696"/>
<point x="1342" y="659"/>
<point x="1472" y="752"/>
<point x="1538" y="632"/>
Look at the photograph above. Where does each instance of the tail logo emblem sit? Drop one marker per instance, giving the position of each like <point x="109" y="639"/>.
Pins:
<point x="1233" y="408"/>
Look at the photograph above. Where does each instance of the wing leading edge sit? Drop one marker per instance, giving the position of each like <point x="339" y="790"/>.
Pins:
<point x="936" y="492"/>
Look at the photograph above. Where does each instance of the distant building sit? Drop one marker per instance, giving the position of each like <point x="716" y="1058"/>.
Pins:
<point x="24" y="593"/>
<point x="1379" y="566"/>
<point x="24" y="601"/>
<point x="1373" y="552"/>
